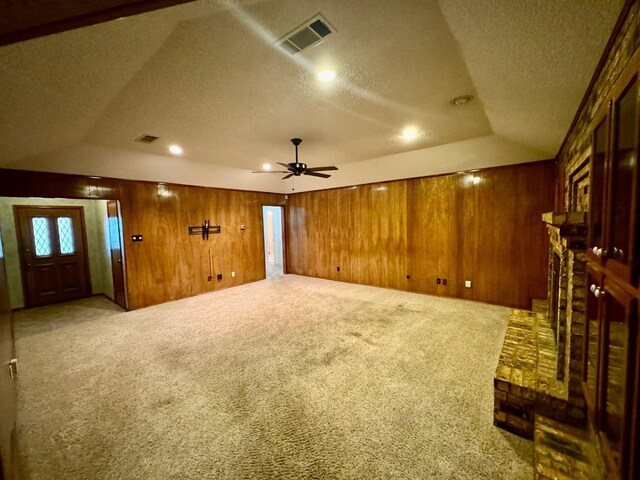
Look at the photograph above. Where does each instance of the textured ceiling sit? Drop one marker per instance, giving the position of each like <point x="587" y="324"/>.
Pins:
<point x="206" y="75"/>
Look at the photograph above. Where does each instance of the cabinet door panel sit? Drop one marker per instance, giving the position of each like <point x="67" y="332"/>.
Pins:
<point x="617" y="356"/>
<point x="592" y="336"/>
<point x="599" y="144"/>
<point x="622" y="180"/>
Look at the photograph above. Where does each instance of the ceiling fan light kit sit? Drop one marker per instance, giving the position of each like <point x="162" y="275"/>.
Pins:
<point x="296" y="168"/>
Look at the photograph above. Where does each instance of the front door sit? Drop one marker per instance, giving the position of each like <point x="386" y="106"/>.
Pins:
<point x="116" y="253"/>
<point x="53" y="254"/>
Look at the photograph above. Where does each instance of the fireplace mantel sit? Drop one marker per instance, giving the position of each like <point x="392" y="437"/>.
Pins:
<point x="569" y="229"/>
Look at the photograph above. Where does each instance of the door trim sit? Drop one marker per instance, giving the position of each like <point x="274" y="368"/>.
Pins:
<point x="21" y="248"/>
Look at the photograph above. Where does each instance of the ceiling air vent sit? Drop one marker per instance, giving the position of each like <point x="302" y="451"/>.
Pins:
<point x="310" y="33"/>
<point x="146" y="139"/>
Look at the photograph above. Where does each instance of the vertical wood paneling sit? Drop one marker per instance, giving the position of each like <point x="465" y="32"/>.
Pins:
<point x="8" y="395"/>
<point x="495" y="279"/>
<point x="423" y="238"/>
<point x="361" y="230"/>
<point x="486" y="230"/>
<point x="168" y="264"/>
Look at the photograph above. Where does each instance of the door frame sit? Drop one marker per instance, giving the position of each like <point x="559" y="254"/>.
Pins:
<point x="285" y="257"/>
<point x="122" y="263"/>
<point x="21" y="247"/>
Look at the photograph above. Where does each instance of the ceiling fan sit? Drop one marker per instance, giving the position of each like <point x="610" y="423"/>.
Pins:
<point x="296" y="168"/>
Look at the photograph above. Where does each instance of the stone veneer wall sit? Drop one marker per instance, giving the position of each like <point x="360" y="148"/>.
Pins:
<point x="577" y="147"/>
<point x="567" y="235"/>
<point x="575" y="318"/>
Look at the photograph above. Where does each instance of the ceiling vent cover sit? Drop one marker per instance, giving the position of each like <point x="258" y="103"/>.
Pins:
<point x="146" y="139"/>
<point x="307" y="35"/>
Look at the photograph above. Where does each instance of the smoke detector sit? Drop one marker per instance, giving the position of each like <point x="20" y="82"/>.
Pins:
<point x="310" y="33"/>
<point x="461" y="100"/>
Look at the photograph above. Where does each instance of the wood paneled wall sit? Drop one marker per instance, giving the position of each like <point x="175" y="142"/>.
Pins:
<point x="168" y="264"/>
<point x="7" y="385"/>
<point x="486" y="230"/>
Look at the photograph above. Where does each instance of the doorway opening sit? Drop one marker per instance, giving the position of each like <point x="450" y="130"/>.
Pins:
<point x="59" y="249"/>
<point x="273" y="240"/>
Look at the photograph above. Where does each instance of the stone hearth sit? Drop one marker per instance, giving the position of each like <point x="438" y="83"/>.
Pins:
<point x="539" y="372"/>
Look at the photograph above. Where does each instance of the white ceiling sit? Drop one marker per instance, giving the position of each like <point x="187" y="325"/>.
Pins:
<point x="207" y="76"/>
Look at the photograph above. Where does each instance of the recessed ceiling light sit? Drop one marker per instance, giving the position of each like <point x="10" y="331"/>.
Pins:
<point x="410" y="133"/>
<point x="461" y="100"/>
<point x="176" y="149"/>
<point x="266" y="166"/>
<point x="326" y="75"/>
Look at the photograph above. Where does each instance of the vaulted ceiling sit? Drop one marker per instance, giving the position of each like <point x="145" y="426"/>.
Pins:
<point x="210" y="76"/>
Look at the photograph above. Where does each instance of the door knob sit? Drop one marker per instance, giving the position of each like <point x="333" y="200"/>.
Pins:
<point x="596" y="290"/>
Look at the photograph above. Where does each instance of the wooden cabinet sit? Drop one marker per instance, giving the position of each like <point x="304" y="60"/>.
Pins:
<point x="592" y="334"/>
<point x="613" y="233"/>
<point x="619" y="324"/>
<point x="611" y="364"/>
<point x="622" y="176"/>
<point x="599" y="148"/>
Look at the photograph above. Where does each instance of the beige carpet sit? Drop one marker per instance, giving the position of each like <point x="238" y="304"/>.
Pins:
<point x="286" y="378"/>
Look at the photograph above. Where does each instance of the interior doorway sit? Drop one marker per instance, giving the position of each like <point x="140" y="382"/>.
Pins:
<point x="53" y="254"/>
<point x="115" y="247"/>
<point x="273" y="240"/>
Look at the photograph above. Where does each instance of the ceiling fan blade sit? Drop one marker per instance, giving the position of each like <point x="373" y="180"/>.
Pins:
<point x="315" y="174"/>
<point x="283" y="164"/>
<point x="321" y="169"/>
<point x="287" y="176"/>
<point x="271" y="171"/>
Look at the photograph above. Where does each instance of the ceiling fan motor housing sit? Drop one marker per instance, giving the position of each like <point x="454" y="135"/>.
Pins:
<point x="297" y="168"/>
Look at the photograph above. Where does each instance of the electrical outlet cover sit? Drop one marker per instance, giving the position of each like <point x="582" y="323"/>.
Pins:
<point x="467" y="283"/>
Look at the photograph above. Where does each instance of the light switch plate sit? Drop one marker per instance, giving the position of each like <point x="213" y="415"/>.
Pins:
<point x="467" y="283"/>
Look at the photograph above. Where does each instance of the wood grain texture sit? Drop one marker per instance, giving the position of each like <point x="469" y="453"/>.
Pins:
<point x="7" y="386"/>
<point x="486" y="230"/>
<point x="361" y="230"/>
<point x="168" y="264"/>
<point x="24" y="20"/>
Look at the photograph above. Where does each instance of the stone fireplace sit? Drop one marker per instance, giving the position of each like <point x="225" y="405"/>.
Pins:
<point x="567" y="295"/>
<point x="540" y="365"/>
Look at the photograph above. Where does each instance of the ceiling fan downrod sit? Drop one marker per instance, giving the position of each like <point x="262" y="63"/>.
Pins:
<point x="296" y="142"/>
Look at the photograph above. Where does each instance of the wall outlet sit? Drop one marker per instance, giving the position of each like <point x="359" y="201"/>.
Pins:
<point x="242" y="227"/>
<point x="438" y="281"/>
<point x="338" y="269"/>
<point x="233" y="274"/>
<point x="467" y="284"/>
<point x="444" y="281"/>
<point x="219" y="277"/>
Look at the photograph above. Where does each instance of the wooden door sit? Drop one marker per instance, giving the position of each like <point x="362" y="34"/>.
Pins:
<point x="116" y="253"/>
<point x="7" y="381"/>
<point x="53" y="255"/>
<point x="599" y="153"/>
<point x="617" y="352"/>
<point x="623" y="172"/>
<point x="592" y="342"/>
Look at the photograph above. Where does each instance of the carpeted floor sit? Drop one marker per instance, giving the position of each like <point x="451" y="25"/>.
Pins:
<point x="287" y="378"/>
